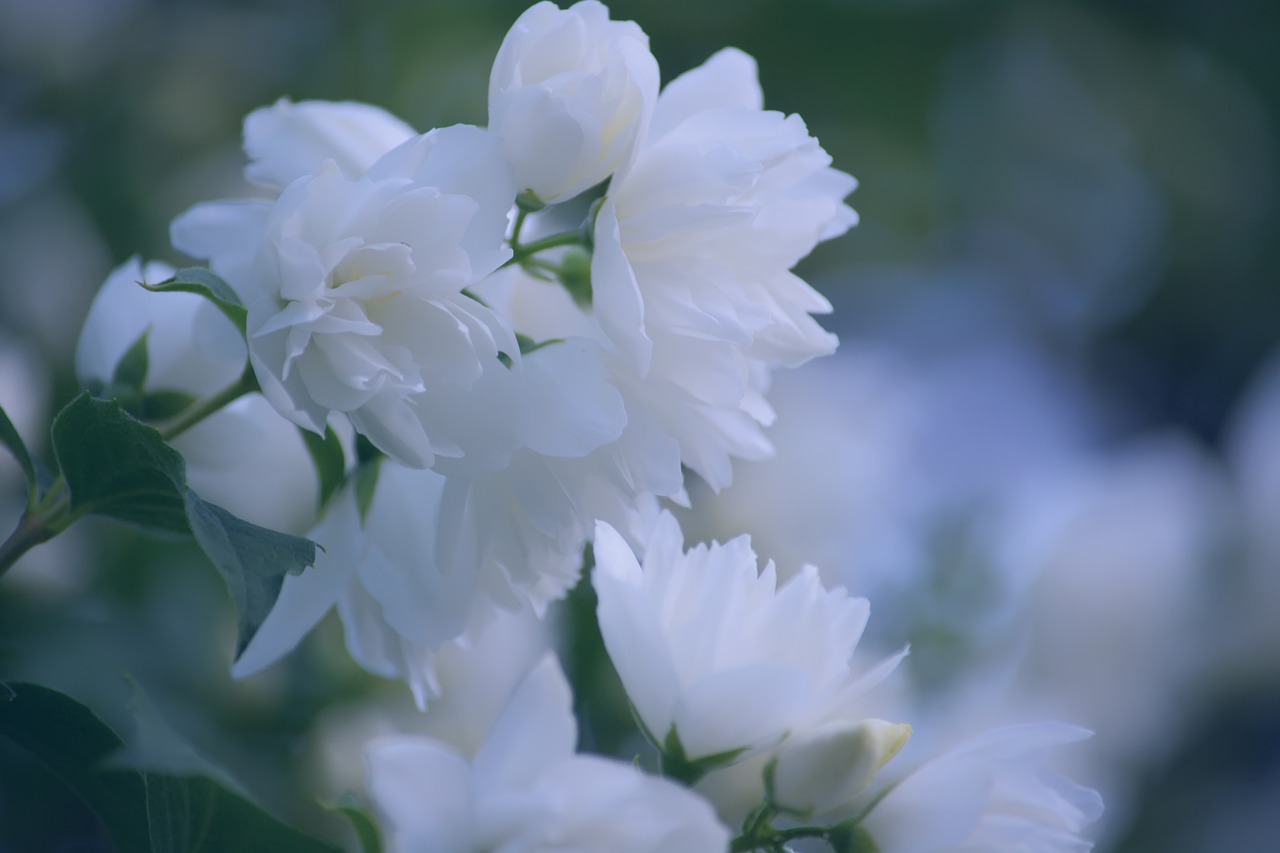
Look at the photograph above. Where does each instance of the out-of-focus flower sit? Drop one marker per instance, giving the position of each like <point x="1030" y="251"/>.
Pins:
<point x="570" y="95"/>
<point x="191" y="346"/>
<point x="355" y="292"/>
<point x="992" y="793"/>
<point x="288" y="140"/>
<point x="244" y="457"/>
<point x="525" y="789"/>
<point x="715" y="656"/>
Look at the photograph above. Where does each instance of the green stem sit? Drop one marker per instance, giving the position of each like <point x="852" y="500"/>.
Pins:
<point x="521" y="251"/>
<point x="37" y="525"/>
<point x="246" y="384"/>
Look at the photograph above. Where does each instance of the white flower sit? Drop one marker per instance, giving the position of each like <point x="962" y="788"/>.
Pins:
<point x="525" y="789"/>
<point x="821" y="769"/>
<point x="397" y="602"/>
<point x="570" y="95"/>
<point x="192" y="347"/>
<point x="244" y="457"/>
<point x="711" y="650"/>
<point x="355" y="292"/>
<point x="693" y="250"/>
<point x="990" y="794"/>
<point x="287" y="140"/>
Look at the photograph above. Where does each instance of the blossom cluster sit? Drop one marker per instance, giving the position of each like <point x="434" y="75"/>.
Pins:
<point x="516" y="340"/>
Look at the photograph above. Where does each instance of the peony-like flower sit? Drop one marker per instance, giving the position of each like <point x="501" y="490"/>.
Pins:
<point x="355" y="289"/>
<point x="288" y="140"/>
<point x="713" y="654"/>
<point x="570" y="96"/>
<point x="244" y="457"/>
<point x="524" y="788"/>
<point x="992" y="793"/>
<point x="694" y="246"/>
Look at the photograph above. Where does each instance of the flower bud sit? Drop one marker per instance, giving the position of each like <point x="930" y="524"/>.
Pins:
<point x="822" y="769"/>
<point x="570" y="96"/>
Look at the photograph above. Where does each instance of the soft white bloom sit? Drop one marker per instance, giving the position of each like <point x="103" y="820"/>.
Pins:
<point x="244" y="457"/>
<point x="355" y="293"/>
<point x="525" y="789"/>
<point x="288" y="140"/>
<point x="191" y="346"/>
<point x="821" y="769"/>
<point x="711" y="649"/>
<point x="397" y="602"/>
<point x="570" y="96"/>
<point x="693" y="250"/>
<point x="990" y="794"/>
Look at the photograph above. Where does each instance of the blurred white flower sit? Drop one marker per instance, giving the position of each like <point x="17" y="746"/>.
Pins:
<point x="244" y="457"/>
<point x="716" y="657"/>
<point x="356" y="296"/>
<point x="991" y="794"/>
<point x="191" y="346"/>
<point x="525" y="789"/>
<point x="570" y="96"/>
<point x="288" y="140"/>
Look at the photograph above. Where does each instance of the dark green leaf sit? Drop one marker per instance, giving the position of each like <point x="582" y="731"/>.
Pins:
<point x="677" y="765"/>
<point x="141" y="811"/>
<point x="162" y="405"/>
<point x="192" y="814"/>
<point x="331" y="462"/>
<point x="367" y="832"/>
<point x="67" y="740"/>
<point x="13" y="441"/>
<point x="251" y="559"/>
<point x="118" y="467"/>
<point x="203" y="282"/>
<point x="131" y="371"/>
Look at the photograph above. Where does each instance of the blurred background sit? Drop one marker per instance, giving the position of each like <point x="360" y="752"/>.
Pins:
<point x="1048" y="450"/>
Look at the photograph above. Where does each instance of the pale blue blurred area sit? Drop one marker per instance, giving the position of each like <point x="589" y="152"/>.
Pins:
<point x="1062" y="288"/>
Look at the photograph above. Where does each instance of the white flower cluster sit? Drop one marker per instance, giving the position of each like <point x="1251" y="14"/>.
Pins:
<point x="521" y="337"/>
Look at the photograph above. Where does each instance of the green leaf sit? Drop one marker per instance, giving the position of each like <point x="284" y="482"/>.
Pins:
<point x="367" y="832"/>
<point x="119" y="467"/>
<point x="203" y="282"/>
<point x="528" y="344"/>
<point x="142" y="811"/>
<point x="68" y="742"/>
<point x="13" y="441"/>
<point x="330" y="460"/>
<point x="251" y="559"/>
<point x="192" y="814"/>
<point x="677" y="765"/>
<point x="131" y="371"/>
<point x="116" y="466"/>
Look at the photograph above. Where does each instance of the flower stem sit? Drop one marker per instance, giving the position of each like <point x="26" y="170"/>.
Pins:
<point x="246" y="384"/>
<point x="521" y="251"/>
<point x="38" y="524"/>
